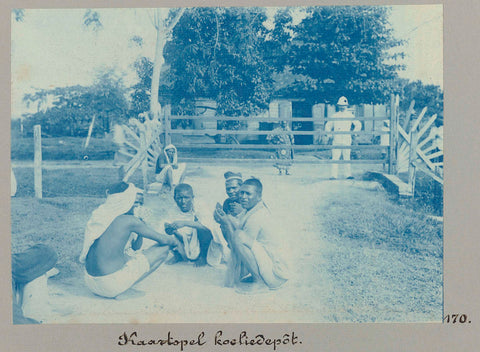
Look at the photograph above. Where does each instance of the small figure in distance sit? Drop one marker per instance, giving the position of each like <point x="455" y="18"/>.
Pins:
<point x="282" y="137"/>
<point x="342" y="125"/>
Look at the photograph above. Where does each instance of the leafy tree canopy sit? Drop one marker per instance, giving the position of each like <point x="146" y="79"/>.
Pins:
<point x="334" y="51"/>
<point x="425" y="95"/>
<point x="217" y="53"/>
<point x="69" y="110"/>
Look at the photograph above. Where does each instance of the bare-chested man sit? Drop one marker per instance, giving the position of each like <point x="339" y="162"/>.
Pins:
<point x="113" y="237"/>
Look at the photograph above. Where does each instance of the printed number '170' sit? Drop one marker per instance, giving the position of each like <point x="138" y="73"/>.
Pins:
<point x="456" y="318"/>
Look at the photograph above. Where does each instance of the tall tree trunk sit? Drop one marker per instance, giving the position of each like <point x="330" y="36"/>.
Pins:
<point x="163" y="33"/>
<point x="155" y="107"/>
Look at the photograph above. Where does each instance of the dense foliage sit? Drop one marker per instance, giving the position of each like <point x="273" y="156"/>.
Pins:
<point x="337" y="50"/>
<point x="243" y="58"/>
<point x="140" y="92"/>
<point x="68" y="111"/>
<point x="233" y="57"/>
<point x="425" y="95"/>
<point x="217" y="53"/>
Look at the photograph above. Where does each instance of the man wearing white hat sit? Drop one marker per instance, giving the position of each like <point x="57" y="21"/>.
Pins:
<point x="344" y="125"/>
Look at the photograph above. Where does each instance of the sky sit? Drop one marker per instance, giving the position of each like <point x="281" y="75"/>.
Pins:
<point x="51" y="48"/>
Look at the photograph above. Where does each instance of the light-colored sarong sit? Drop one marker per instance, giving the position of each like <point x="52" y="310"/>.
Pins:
<point x="112" y="285"/>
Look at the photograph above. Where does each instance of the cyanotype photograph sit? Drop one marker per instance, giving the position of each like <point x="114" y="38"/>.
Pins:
<point x="227" y="165"/>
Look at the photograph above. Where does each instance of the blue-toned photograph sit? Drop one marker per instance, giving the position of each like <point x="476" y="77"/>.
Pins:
<point x="227" y="165"/>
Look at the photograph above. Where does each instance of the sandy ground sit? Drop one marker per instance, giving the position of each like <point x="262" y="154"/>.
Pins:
<point x="184" y="293"/>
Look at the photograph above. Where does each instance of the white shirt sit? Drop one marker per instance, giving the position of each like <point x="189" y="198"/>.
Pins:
<point x="343" y="126"/>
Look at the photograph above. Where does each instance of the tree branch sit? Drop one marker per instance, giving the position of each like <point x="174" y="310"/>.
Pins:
<point x="176" y="19"/>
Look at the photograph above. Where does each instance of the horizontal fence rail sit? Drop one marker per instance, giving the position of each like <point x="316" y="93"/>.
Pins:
<point x="274" y="146"/>
<point x="259" y="133"/>
<point x="249" y="160"/>
<point x="273" y="119"/>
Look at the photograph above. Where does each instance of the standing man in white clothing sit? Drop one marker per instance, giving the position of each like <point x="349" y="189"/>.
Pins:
<point x="344" y="125"/>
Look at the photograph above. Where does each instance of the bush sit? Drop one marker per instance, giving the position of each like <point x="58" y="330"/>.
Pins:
<point x="428" y="194"/>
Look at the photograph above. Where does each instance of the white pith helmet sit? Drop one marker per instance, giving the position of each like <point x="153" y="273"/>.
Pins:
<point x="342" y="101"/>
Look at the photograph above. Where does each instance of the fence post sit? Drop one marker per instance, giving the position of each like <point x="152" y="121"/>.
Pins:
<point x="37" y="160"/>
<point x="167" y="110"/>
<point x="408" y="115"/>
<point x="318" y="116"/>
<point x="392" y="162"/>
<point x="89" y="135"/>
<point x="412" y="156"/>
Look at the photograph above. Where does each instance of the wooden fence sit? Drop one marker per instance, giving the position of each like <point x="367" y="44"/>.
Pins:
<point x="250" y="127"/>
<point x="144" y="141"/>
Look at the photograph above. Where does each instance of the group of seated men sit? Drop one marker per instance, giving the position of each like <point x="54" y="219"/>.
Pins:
<point x="241" y="233"/>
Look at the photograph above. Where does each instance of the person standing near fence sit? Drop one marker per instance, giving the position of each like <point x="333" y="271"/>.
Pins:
<point x="282" y="137"/>
<point x="344" y="125"/>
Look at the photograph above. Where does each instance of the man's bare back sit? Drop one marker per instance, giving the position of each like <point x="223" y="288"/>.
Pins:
<point x="107" y="255"/>
<point x="110" y="268"/>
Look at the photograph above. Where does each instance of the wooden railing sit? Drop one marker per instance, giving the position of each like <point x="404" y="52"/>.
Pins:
<point x="319" y="143"/>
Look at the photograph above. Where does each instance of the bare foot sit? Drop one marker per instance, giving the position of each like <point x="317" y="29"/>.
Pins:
<point x="200" y="262"/>
<point x="175" y="259"/>
<point x="254" y="288"/>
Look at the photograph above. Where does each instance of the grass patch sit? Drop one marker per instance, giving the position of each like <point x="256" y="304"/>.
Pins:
<point x="58" y="223"/>
<point x="64" y="148"/>
<point x="384" y="259"/>
<point x="376" y="221"/>
<point x="71" y="182"/>
<point x="428" y="194"/>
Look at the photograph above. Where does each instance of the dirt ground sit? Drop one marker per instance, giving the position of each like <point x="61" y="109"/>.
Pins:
<point x="316" y="292"/>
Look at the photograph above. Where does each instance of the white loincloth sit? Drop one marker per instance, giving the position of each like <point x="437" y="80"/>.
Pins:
<point x="113" y="284"/>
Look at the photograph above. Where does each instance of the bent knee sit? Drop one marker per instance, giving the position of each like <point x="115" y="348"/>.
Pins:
<point x="242" y="241"/>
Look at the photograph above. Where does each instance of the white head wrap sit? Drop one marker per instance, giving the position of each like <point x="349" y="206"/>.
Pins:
<point x="170" y="146"/>
<point x="115" y="205"/>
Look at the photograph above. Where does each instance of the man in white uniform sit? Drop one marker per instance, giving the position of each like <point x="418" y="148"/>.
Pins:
<point x="344" y="125"/>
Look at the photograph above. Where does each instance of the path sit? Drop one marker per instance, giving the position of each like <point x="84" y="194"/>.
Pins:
<point x="183" y="293"/>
